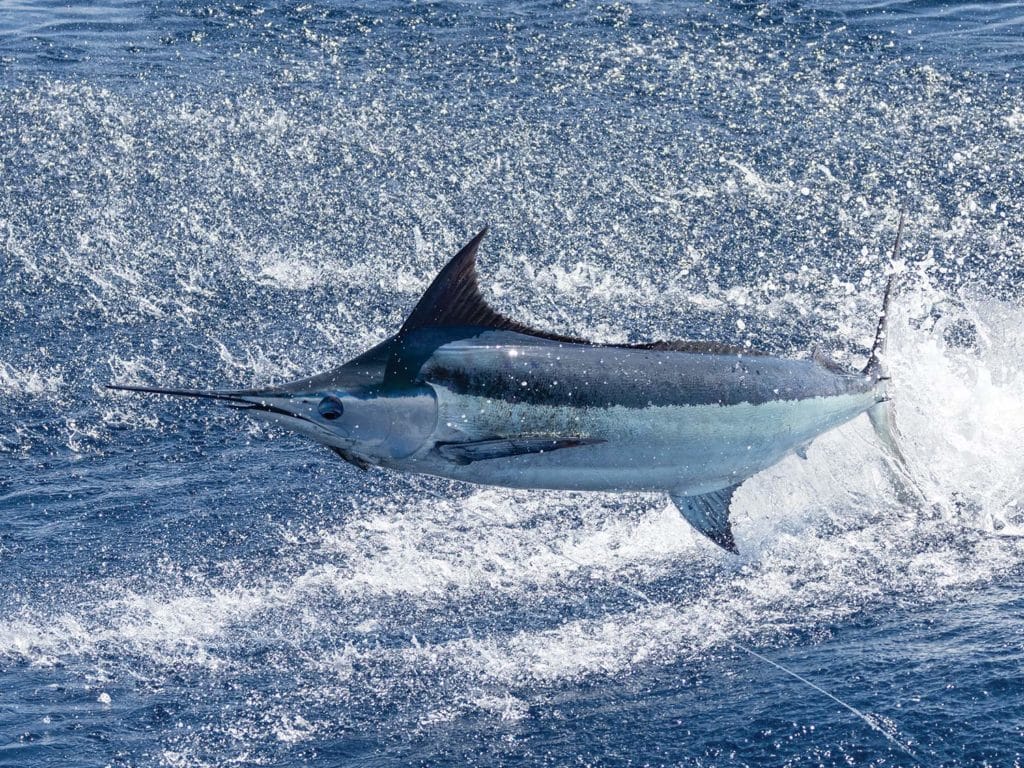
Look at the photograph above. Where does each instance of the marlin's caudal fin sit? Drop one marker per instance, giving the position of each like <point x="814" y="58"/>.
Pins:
<point x="875" y="366"/>
<point x="883" y="414"/>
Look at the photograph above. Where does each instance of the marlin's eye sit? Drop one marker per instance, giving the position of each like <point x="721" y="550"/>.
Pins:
<point x="330" y="408"/>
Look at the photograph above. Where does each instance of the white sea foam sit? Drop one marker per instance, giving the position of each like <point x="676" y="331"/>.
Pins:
<point x="17" y="380"/>
<point x="960" y="400"/>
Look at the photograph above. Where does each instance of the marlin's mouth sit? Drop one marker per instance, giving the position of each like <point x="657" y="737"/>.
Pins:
<point x="268" y="408"/>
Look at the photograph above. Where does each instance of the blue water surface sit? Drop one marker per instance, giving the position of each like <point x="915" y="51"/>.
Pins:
<point x="225" y="194"/>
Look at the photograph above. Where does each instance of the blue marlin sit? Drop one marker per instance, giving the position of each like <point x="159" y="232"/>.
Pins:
<point x="464" y="392"/>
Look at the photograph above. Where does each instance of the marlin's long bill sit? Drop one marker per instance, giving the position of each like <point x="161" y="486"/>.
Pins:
<point x="464" y="392"/>
<point x="208" y="394"/>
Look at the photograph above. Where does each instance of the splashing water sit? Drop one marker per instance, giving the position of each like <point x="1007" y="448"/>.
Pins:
<point x="204" y="194"/>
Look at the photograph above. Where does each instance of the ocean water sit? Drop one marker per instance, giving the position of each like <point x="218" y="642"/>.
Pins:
<point x="229" y="194"/>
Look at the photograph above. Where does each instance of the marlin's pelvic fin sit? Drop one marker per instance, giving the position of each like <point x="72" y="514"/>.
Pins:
<point x="709" y="514"/>
<point x="351" y="458"/>
<point x="481" y="450"/>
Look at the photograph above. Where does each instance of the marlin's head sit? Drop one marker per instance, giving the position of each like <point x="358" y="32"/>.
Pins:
<point x="365" y="422"/>
<point x="375" y="407"/>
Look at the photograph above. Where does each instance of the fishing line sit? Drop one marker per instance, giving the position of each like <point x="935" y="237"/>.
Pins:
<point x="737" y="646"/>
<point x="904" y="748"/>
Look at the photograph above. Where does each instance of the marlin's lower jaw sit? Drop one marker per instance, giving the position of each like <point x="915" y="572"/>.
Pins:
<point x="294" y="412"/>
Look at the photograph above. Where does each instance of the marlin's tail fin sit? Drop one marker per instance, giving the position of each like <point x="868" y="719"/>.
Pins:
<point x="876" y="366"/>
<point x="883" y="420"/>
<point x="883" y="413"/>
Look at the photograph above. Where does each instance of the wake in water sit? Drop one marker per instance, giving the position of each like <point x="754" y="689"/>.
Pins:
<point x="965" y="376"/>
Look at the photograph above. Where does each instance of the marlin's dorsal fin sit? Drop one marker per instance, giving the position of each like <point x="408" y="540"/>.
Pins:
<point x="822" y="358"/>
<point x="454" y="299"/>
<point x="452" y="302"/>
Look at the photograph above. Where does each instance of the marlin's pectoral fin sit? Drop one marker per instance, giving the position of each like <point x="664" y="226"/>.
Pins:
<point x="480" y="450"/>
<point x="709" y="514"/>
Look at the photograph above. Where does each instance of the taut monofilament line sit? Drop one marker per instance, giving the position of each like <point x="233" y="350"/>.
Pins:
<point x="737" y="646"/>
